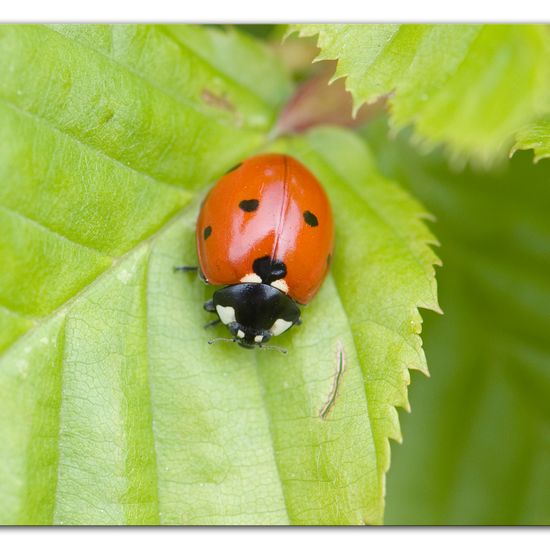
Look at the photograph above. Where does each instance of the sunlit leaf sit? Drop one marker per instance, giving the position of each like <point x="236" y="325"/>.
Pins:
<point x="470" y="87"/>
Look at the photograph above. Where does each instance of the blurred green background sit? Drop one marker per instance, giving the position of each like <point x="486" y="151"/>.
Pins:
<point x="476" y="447"/>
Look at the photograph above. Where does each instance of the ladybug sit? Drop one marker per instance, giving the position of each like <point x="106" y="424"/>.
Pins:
<point x="265" y="231"/>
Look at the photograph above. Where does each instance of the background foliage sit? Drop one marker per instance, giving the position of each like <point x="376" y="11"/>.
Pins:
<point x="477" y="444"/>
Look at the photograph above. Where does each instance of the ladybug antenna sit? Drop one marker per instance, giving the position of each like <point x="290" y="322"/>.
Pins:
<point x="276" y="348"/>
<point x="214" y="340"/>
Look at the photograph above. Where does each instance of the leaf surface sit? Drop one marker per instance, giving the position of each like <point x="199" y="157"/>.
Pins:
<point x="115" y="409"/>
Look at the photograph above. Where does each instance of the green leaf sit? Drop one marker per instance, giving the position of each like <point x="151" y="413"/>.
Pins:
<point x="115" y="410"/>
<point x="470" y="87"/>
<point x="535" y="136"/>
<point x="476" y="447"/>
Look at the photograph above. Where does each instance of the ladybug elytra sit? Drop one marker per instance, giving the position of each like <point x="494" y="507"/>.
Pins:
<point x="265" y="232"/>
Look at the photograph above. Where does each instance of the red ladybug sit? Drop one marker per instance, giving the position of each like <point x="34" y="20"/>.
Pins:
<point x="266" y="231"/>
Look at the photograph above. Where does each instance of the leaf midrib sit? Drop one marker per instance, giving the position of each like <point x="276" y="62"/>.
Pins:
<point x="61" y="355"/>
<point x="149" y="378"/>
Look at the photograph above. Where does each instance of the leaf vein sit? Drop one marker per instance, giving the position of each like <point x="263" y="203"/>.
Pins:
<point x="227" y="76"/>
<point x="26" y="219"/>
<point x="75" y="138"/>
<point x="63" y="308"/>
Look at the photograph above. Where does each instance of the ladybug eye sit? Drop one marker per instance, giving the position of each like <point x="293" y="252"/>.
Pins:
<point x="311" y="219"/>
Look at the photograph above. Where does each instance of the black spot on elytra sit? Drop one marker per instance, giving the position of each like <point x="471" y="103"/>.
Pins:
<point x="207" y="232"/>
<point x="268" y="269"/>
<point x="249" y="205"/>
<point x="311" y="218"/>
<point x="329" y="259"/>
<point x="236" y="167"/>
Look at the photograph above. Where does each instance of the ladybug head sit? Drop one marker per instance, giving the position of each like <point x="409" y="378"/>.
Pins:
<point x="254" y="312"/>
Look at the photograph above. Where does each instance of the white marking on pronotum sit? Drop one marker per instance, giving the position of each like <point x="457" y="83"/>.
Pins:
<point x="240" y="334"/>
<point x="251" y="278"/>
<point x="226" y="314"/>
<point x="258" y="338"/>
<point x="341" y="365"/>
<point x="281" y="285"/>
<point x="279" y="326"/>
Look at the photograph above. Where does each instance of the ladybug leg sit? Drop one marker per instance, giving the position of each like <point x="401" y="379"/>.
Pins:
<point x="209" y="306"/>
<point x="191" y="269"/>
